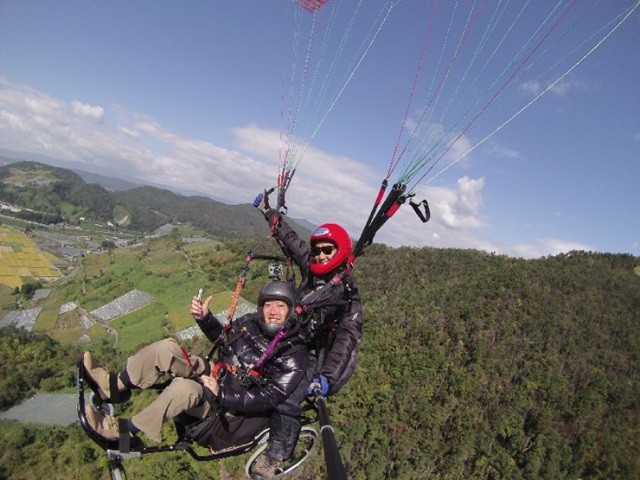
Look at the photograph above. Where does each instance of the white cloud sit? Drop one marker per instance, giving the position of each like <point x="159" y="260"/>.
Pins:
<point x="128" y="132"/>
<point x="458" y="151"/>
<point x="441" y="146"/>
<point x="11" y="122"/>
<point x="455" y="218"/>
<point x="316" y="193"/>
<point x="88" y="112"/>
<point x="28" y="100"/>
<point x="543" y="247"/>
<point x="530" y="88"/>
<point x="458" y="208"/>
<point x="261" y="142"/>
<point x="496" y="150"/>
<point x="326" y="187"/>
<point x="561" y="89"/>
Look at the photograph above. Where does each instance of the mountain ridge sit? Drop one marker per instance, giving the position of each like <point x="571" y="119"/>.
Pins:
<point x="56" y="190"/>
<point x="471" y="365"/>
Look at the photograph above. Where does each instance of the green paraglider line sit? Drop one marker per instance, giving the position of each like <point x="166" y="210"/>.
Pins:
<point x="542" y="93"/>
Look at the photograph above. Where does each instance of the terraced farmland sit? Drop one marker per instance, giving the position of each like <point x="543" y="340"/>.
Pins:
<point x="20" y="257"/>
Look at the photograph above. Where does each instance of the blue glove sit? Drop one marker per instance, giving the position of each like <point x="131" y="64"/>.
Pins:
<point x="320" y="383"/>
<point x="261" y="202"/>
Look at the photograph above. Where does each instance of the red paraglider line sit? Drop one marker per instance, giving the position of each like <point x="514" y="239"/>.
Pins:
<point x="436" y="93"/>
<point x="425" y="45"/>
<point x="501" y="89"/>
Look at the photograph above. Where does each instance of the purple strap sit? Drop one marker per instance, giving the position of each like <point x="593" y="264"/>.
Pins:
<point x="270" y="349"/>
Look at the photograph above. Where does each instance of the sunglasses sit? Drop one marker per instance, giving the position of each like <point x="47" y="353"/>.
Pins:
<point x="326" y="249"/>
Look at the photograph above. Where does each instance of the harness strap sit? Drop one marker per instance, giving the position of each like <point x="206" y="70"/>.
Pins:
<point x="270" y="349"/>
<point x="315" y="297"/>
<point x="185" y="354"/>
<point x="257" y="370"/>
<point x="215" y="371"/>
<point x="274" y="223"/>
<point x="124" y="439"/>
<point x="115" y="394"/>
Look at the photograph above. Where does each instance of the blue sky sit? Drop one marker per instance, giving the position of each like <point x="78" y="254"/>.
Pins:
<point x="196" y="96"/>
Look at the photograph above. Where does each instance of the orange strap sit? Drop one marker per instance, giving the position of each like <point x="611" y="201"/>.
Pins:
<point x="219" y="365"/>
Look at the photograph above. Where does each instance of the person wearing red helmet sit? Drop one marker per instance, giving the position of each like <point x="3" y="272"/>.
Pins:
<point x="331" y="248"/>
<point x="332" y="327"/>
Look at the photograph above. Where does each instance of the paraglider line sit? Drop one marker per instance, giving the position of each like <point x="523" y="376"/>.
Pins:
<point x="550" y="87"/>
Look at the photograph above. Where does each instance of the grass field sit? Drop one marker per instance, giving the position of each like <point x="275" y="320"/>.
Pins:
<point x="164" y="267"/>
<point x="20" y="258"/>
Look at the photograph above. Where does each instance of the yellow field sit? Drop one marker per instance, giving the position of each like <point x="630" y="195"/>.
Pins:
<point x="20" y="257"/>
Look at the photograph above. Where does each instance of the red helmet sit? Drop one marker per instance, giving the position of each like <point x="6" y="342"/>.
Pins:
<point x="333" y="233"/>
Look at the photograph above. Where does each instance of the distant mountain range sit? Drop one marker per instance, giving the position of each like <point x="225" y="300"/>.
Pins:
<point x="52" y="192"/>
<point x="110" y="183"/>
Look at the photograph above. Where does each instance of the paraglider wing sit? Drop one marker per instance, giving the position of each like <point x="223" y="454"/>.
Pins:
<point x="312" y="5"/>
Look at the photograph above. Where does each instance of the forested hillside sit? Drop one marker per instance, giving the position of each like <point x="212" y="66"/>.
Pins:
<point x="53" y="195"/>
<point x="472" y="366"/>
<point x="482" y="366"/>
<point x="59" y="192"/>
<point x="152" y="207"/>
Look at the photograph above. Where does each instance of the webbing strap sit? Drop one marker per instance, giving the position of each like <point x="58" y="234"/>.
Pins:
<point x="115" y="394"/>
<point x="124" y="440"/>
<point x="424" y="216"/>
<point x="270" y="349"/>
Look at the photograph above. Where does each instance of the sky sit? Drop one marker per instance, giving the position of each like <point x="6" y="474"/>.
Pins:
<point x="526" y="115"/>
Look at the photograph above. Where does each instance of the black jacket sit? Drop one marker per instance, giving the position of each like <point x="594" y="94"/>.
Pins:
<point x="334" y="328"/>
<point x="246" y="344"/>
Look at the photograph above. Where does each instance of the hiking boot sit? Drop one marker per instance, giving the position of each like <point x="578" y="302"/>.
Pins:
<point x="104" y="425"/>
<point x="101" y="381"/>
<point x="265" y="469"/>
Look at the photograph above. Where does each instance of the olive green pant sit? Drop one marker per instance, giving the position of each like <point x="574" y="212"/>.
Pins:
<point x="183" y="394"/>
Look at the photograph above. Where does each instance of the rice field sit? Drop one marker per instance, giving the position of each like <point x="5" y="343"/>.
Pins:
<point x="20" y="258"/>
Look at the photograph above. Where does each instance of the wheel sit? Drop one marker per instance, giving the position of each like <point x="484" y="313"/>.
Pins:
<point x="116" y="469"/>
<point x="307" y="442"/>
